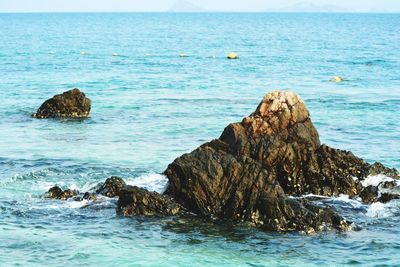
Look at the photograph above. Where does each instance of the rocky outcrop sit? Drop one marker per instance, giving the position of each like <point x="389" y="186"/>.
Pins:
<point x="248" y="174"/>
<point x="138" y="201"/>
<point x="70" y="104"/>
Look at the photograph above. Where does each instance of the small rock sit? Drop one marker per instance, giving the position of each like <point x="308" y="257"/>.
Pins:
<point x="111" y="187"/>
<point x="57" y="193"/>
<point x="370" y="194"/>
<point x="70" y="104"/>
<point x="389" y="184"/>
<point x="138" y="201"/>
<point x="54" y="192"/>
<point x="386" y="197"/>
<point x="378" y="168"/>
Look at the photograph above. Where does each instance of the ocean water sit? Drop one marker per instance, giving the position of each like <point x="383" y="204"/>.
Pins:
<point x="149" y="106"/>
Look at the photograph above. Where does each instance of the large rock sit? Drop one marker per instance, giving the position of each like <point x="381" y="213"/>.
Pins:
<point x="249" y="172"/>
<point x="70" y="104"/>
<point x="281" y="136"/>
<point x="212" y="182"/>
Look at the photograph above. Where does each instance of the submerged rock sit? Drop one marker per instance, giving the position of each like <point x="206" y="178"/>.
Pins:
<point x="70" y="104"/>
<point x="248" y="173"/>
<point x="138" y="201"/>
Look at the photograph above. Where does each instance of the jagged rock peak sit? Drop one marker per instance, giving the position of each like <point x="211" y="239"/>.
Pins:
<point x="277" y="111"/>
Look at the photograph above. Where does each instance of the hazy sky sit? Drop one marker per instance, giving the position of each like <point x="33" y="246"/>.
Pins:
<point x="163" y="5"/>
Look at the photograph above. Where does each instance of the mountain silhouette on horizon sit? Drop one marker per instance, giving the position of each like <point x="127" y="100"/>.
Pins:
<point x="310" y="7"/>
<point x="185" y="6"/>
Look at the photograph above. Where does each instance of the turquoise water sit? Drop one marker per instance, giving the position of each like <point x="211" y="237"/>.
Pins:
<point x="149" y="106"/>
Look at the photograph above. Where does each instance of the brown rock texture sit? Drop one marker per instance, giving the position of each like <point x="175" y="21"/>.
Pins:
<point x="138" y="201"/>
<point x="248" y="174"/>
<point x="70" y="104"/>
<point x="111" y="187"/>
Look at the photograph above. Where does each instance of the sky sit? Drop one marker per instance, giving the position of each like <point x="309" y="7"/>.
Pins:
<point x="209" y="5"/>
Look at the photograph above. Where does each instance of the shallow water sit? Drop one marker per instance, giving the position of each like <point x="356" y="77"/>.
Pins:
<point x="150" y="106"/>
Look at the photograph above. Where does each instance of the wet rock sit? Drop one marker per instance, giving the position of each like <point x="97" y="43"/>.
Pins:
<point x="70" y="104"/>
<point x="212" y="182"/>
<point x="378" y="168"/>
<point x="386" y="197"/>
<point x="54" y="192"/>
<point x="57" y="193"/>
<point x="389" y="184"/>
<point x="111" y="187"/>
<point x="138" y="201"/>
<point x="247" y="174"/>
<point x="370" y="194"/>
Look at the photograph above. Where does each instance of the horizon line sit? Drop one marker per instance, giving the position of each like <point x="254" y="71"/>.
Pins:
<point x="199" y="12"/>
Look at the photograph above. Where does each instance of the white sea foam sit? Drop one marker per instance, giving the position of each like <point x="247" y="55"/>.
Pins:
<point x="151" y="181"/>
<point x="356" y="203"/>
<point x="76" y="204"/>
<point x="377" y="210"/>
<point x="380" y="210"/>
<point x="375" y="180"/>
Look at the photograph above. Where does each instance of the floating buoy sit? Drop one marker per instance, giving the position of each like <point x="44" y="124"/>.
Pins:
<point x="183" y="55"/>
<point x="232" y="56"/>
<point x="83" y="53"/>
<point x="51" y="52"/>
<point x="147" y="55"/>
<point x="115" y="54"/>
<point x="336" y="79"/>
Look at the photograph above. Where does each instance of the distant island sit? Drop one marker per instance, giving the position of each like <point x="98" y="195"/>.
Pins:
<point x="299" y="7"/>
<point x="310" y="7"/>
<point x="185" y="6"/>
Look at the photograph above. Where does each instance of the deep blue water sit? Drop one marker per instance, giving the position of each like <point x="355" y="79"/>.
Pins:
<point x="149" y="106"/>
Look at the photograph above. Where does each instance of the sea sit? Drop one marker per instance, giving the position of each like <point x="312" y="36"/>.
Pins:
<point x="161" y="85"/>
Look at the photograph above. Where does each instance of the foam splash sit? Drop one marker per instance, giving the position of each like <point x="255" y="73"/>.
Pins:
<point x="377" y="210"/>
<point x="376" y="180"/>
<point x="355" y="203"/>
<point x="150" y="181"/>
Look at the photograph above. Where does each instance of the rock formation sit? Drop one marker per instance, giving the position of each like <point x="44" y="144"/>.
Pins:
<point x="249" y="172"/>
<point x="256" y="173"/>
<point x="70" y="104"/>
